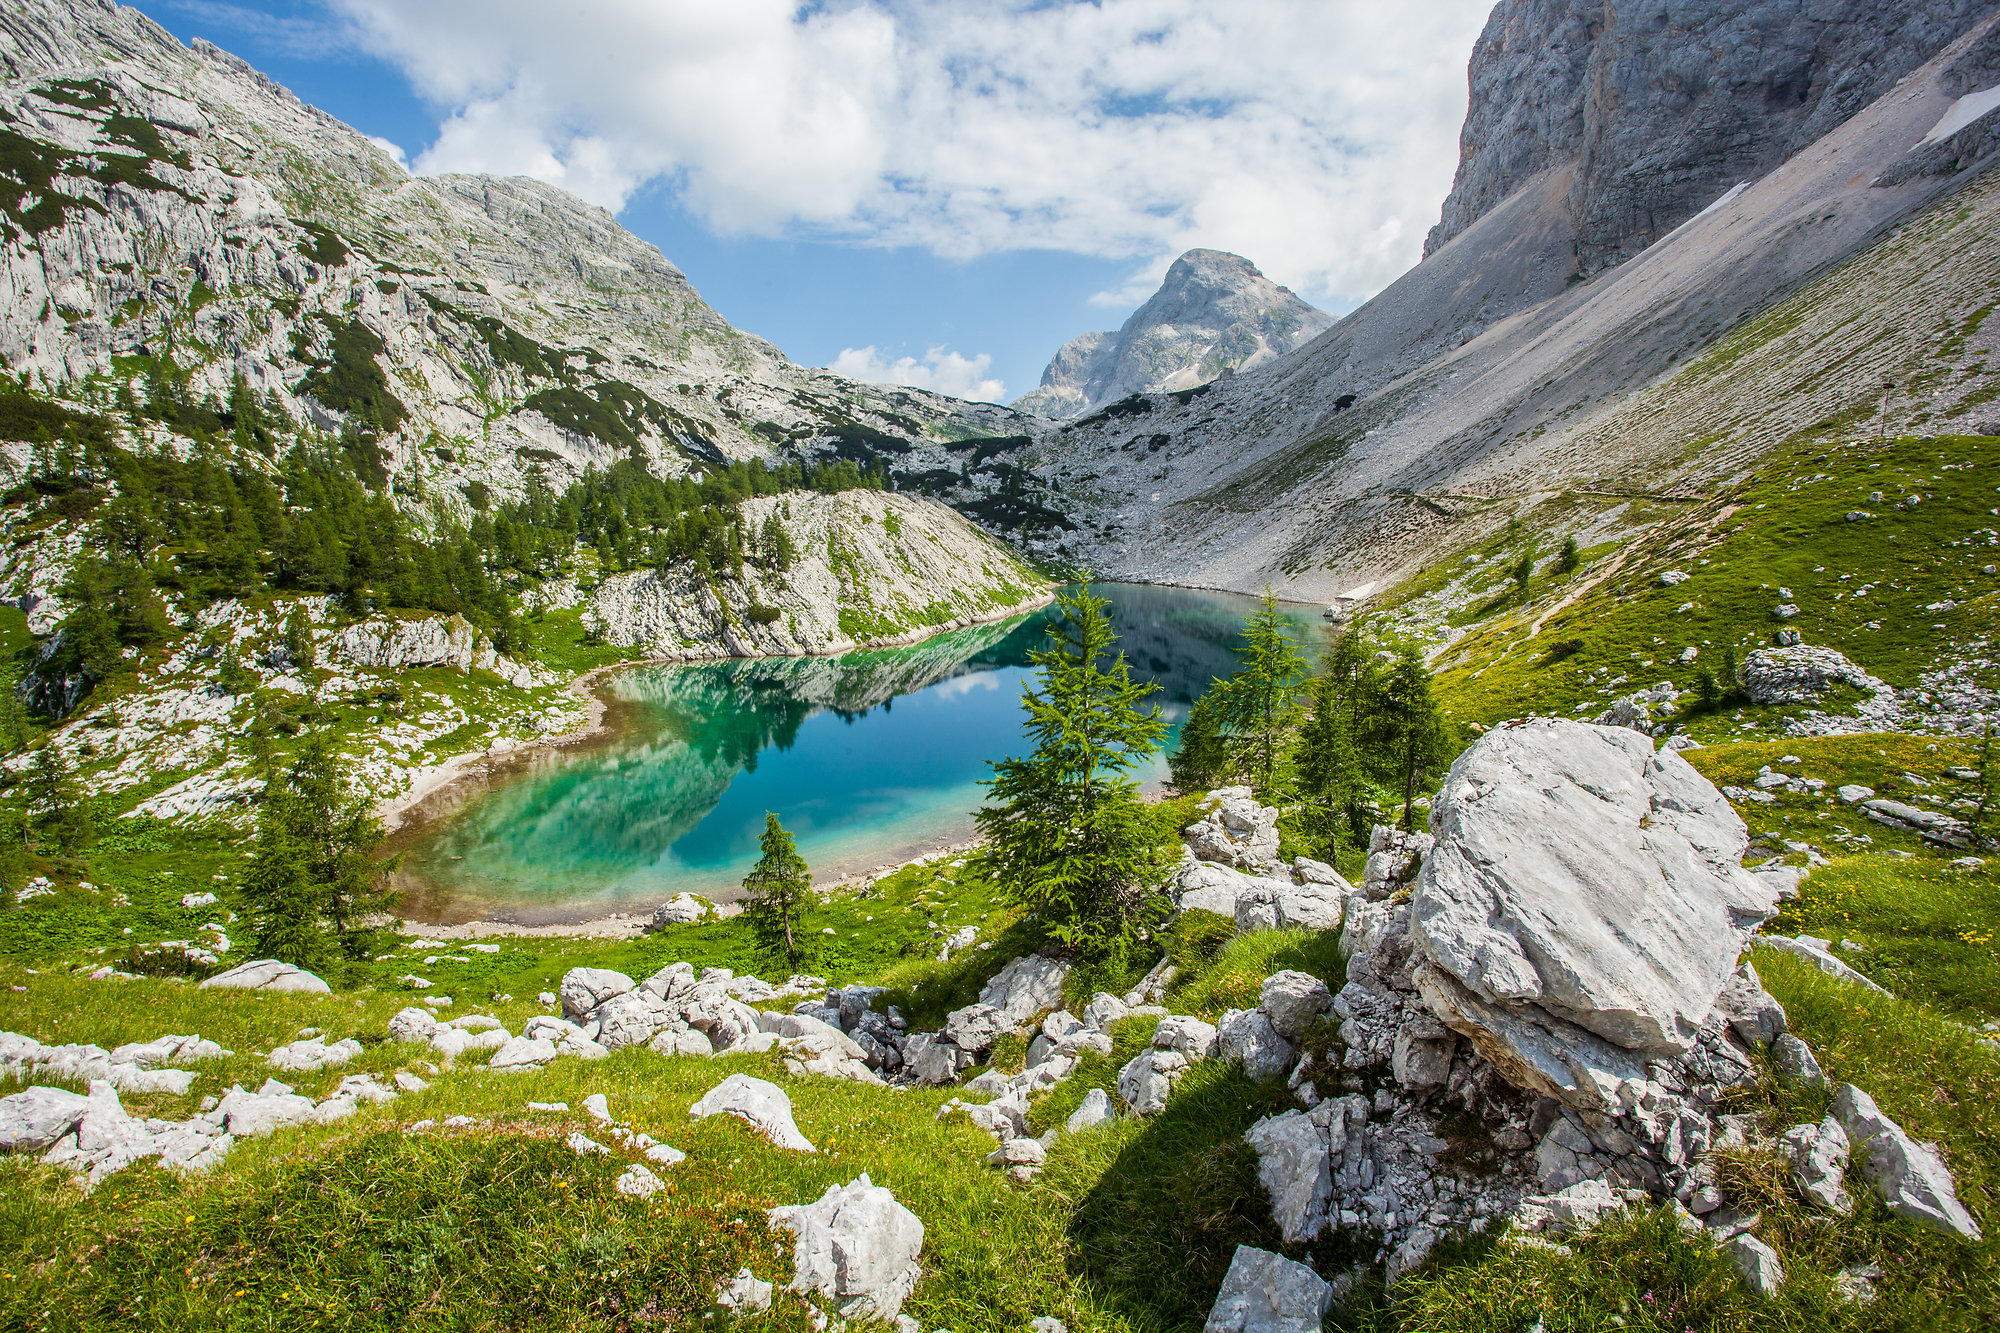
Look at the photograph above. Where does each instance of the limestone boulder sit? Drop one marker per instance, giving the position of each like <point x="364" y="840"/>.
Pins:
<point x="1148" y="1078"/>
<point x="1248" y="1038"/>
<point x="33" y="1120"/>
<point x="1294" y="1001"/>
<point x="1235" y="831"/>
<point x="1268" y="1293"/>
<point x="1909" y="1176"/>
<point x="267" y="974"/>
<point x="1294" y="1162"/>
<point x="1204" y="886"/>
<point x="1583" y="906"/>
<point x="1283" y="906"/>
<point x="584" y="988"/>
<point x="1026" y="987"/>
<point x="762" y="1104"/>
<point x="856" y="1247"/>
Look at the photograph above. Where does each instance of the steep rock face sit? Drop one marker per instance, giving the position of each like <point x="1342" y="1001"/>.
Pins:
<point x="871" y="568"/>
<point x="166" y="203"/>
<point x="1656" y="109"/>
<point x="1213" y="315"/>
<point x="1489" y="372"/>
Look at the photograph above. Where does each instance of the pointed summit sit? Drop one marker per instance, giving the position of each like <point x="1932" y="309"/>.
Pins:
<point x="1215" y="313"/>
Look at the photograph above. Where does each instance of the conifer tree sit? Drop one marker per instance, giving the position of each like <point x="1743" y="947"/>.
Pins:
<point x="315" y="887"/>
<point x="1572" y="556"/>
<point x="1260" y="703"/>
<point x="1202" y="757"/>
<point x="1067" y="836"/>
<point x="61" y="822"/>
<point x="1419" y="740"/>
<point x="776" y="894"/>
<point x="1523" y="572"/>
<point x="298" y="639"/>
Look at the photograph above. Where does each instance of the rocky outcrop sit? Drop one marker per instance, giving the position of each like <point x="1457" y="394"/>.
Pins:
<point x="1214" y="314"/>
<point x="871" y="568"/>
<point x="1650" y="116"/>
<point x="1268" y="1293"/>
<point x="433" y="641"/>
<point x="1583" y="907"/>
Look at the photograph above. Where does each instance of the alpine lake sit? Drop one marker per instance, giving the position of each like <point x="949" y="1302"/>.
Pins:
<point x="869" y="759"/>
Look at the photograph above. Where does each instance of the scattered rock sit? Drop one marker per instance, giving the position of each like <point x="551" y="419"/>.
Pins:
<point x="32" y="1121"/>
<point x="1235" y="831"/>
<point x="681" y="909"/>
<point x="1148" y="1077"/>
<point x="266" y="974"/>
<point x="1757" y="1263"/>
<point x="1909" y="1176"/>
<point x="1096" y="1110"/>
<point x="1268" y="1293"/>
<point x="584" y="988"/>
<point x="1247" y="1037"/>
<point x="763" y="1104"/>
<point x="1819" y="953"/>
<point x="1818" y="1154"/>
<point x="744" y="1294"/>
<point x="637" y="1182"/>
<point x="1294" y="1001"/>
<point x="1293" y="1161"/>
<point x="1800" y="674"/>
<point x="1794" y="1064"/>
<point x="857" y="1247"/>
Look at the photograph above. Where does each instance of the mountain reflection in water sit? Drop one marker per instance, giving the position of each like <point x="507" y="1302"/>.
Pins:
<point x="868" y="758"/>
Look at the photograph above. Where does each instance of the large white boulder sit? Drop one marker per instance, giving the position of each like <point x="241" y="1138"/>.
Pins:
<point x="1582" y="883"/>
<point x="857" y="1247"/>
<point x="1148" y="1077"/>
<point x="1204" y="886"/>
<point x="1909" y="1176"/>
<point x="682" y="909"/>
<point x="31" y="1121"/>
<point x="266" y="974"/>
<point x="1026" y="987"/>
<point x="584" y="988"/>
<point x="1268" y="1293"/>
<point x="1247" y="1037"/>
<point x="764" y="1105"/>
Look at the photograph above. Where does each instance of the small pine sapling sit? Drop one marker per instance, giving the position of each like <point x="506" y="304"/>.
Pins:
<point x="776" y="894"/>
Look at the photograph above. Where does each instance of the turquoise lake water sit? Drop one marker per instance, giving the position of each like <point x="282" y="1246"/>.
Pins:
<point x="868" y="758"/>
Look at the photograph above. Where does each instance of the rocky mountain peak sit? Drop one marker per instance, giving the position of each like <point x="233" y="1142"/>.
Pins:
<point x="1215" y="313"/>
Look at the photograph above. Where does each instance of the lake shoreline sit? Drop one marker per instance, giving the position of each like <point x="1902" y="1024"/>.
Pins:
<point x="436" y="780"/>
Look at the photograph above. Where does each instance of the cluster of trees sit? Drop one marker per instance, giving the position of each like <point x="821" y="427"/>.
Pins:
<point x="1331" y="748"/>
<point x="633" y="519"/>
<point x="215" y="525"/>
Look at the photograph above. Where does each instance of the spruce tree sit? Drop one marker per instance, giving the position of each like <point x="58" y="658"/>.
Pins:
<point x="55" y="800"/>
<point x="1067" y="836"/>
<point x="1331" y="757"/>
<point x="777" y="891"/>
<point x="1202" y="758"/>
<point x="315" y="887"/>
<point x="1261" y="701"/>
<point x="1572" y="556"/>
<point x="1419" y="740"/>
<point x="1523" y="572"/>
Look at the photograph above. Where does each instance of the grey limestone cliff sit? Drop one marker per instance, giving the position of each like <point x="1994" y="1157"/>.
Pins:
<point x="1651" y="110"/>
<point x="1213" y="315"/>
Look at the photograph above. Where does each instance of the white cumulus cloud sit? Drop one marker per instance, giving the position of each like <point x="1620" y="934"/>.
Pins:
<point x="1316" y="137"/>
<point x="392" y="148"/>
<point x="939" y="370"/>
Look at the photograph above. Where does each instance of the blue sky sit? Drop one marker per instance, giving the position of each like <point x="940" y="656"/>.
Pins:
<point x="936" y="192"/>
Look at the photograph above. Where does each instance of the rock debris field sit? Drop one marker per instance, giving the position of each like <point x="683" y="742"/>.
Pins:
<point x="1562" y="955"/>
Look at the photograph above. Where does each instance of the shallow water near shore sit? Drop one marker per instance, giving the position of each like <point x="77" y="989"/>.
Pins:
<point x="868" y="758"/>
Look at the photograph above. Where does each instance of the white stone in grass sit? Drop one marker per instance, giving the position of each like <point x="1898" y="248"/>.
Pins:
<point x="1909" y="1176"/>
<point x="409" y="1082"/>
<point x="1819" y="1155"/>
<point x="522" y="1053"/>
<point x="664" y="1154"/>
<point x="597" y="1108"/>
<point x="266" y="974"/>
<point x="584" y="988"/>
<point x="1757" y="1263"/>
<point x="1190" y="1036"/>
<point x="745" y="1294"/>
<point x="548" y="1106"/>
<point x="580" y="1144"/>
<point x="1293" y="1000"/>
<point x="1096" y="1110"/>
<point x="637" y="1182"/>
<point x="412" y="1025"/>
<point x="31" y="1121"/>
<point x="1294" y="1163"/>
<point x="1248" y="1038"/>
<point x="1148" y="1078"/>
<point x="857" y="1246"/>
<point x="547" y="998"/>
<point x="763" y="1104"/>
<point x="1794" y="1063"/>
<point x="1268" y="1293"/>
<point x="1018" y="1152"/>
<point x="1047" y="1324"/>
